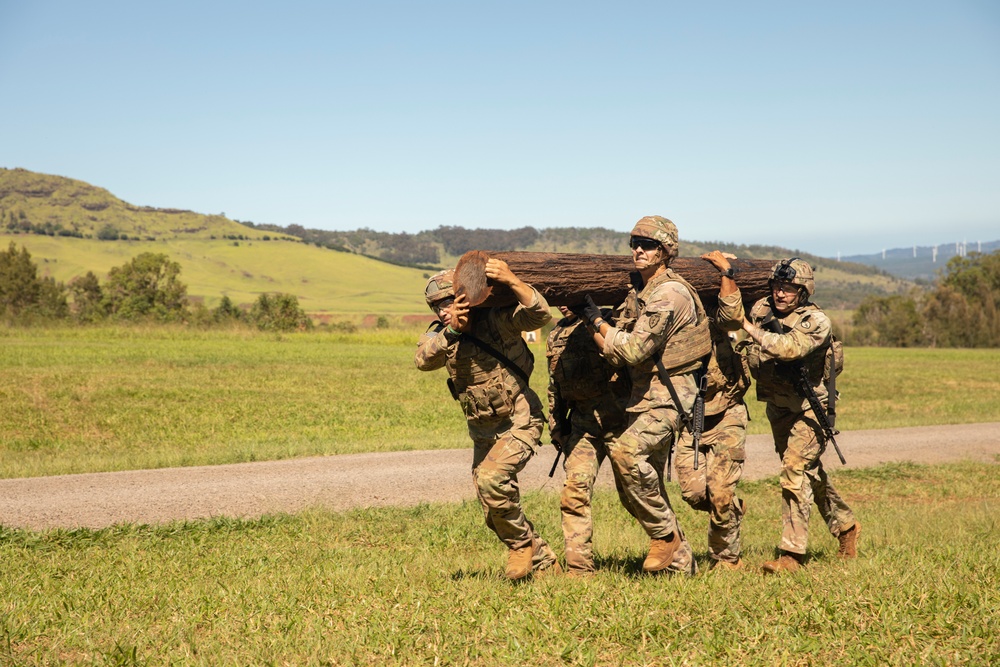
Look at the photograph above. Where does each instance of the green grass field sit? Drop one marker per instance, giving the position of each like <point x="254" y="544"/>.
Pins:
<point x="115" y="398"/>
<point x="424" y="586"/>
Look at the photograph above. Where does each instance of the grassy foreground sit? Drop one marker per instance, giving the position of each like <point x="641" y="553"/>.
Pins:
<point x="115" y="398"/>
<point x="424" y="586"/>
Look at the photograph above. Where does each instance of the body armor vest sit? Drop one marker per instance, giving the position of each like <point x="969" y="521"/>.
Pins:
<point x="576" y="364"/>
<point x="690" y="343"/>
<point x="728" y="375"/>
<point x="486" y="388"/>
<point x="776" y="378"/>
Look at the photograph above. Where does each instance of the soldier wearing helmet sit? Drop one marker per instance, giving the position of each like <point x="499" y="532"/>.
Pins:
<point x="488" y="367"/>
<point x="806" y="336"/>
<point x="440" y="294"/>
<point x="711" y="487"/>
<point x="662" y="338"/>
<point x="587" y="399"/>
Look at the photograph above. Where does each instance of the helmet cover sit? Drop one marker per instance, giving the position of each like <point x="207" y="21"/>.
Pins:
<point x="657" y="228"/>
<point x="440" y="287"/>
<point x="795" y="271"/>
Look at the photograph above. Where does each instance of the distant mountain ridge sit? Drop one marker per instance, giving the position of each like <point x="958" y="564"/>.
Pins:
<point x="921" y="262"/>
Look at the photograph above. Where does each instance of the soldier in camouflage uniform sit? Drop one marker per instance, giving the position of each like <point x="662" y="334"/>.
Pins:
<point x="586" y="413"/>
<point x="712" y="487"/>
<point x="504" y="415"/>
<point x="798" y="438"/>
<point x="667" y="342"/>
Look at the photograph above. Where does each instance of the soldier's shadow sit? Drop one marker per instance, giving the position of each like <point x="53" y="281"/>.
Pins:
<point x="487" y="575"/>
<point x="480" y="575"/>
<point x="630" y="566"/>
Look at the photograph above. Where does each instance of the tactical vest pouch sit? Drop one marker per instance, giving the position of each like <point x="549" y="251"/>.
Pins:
<point x="489" y="400"/>
<point x="834" y="353"/>
<point x="753" y="359"/>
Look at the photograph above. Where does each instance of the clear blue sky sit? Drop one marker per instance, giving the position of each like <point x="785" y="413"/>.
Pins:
<point x="827" y="127"/>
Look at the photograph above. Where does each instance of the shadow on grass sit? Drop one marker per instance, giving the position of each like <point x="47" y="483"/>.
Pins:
<point x="630" y="566"/>
<point x="479" y="575"/>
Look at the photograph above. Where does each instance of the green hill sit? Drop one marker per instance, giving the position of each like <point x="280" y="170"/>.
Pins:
<point x="59" y="221"/>
<point x="325" y="281"/>
<point x="58" y="206"/>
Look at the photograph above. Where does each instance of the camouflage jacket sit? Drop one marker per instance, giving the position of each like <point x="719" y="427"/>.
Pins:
<point x="663" y="309"/>
<point x="728" y="371"/>
<point x="807" y="334"/>
<point x="485" y="387"/>
<point x="582" y="380"/>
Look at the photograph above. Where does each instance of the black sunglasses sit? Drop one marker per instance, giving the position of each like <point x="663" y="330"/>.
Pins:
<point x="444" y="303"/>
<point x="643" y="242"/>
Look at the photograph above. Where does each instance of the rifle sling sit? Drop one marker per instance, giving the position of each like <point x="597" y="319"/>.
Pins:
<point x="831" y="392"/>
<point x="686" y="418"/>
<point x="500" y="356"/>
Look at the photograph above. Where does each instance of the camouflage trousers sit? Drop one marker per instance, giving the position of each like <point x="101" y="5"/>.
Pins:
<point x="712" y="487"/>
<point x="502" y="448"/>
<point x="803" y="480"/>
<point x="639" y="458"/>
<point x="583" y="453"/>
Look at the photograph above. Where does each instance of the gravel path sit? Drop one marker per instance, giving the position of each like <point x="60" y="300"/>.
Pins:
<point x="402" y="478"/>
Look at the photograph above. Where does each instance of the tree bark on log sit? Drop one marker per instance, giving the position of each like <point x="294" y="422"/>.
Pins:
<point x="564" y="279"/>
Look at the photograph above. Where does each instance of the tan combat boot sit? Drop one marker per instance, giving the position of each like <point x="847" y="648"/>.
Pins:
<point x="725" y="565"/>
<point x="580" y="574"/>
<point x="849" y="541"/>
<point x="551" y="571"/>
<point x="519" y="562"/>
<point x="661" y="553"/>
<point x="787" y="562"/>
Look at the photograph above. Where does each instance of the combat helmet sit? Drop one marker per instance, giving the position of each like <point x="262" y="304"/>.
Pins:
<point x="657" y="228"/>
<point x="440" y="286"/>
<point x="796" y="271"/>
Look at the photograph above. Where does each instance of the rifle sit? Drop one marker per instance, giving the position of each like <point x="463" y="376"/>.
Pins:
<point x="698" y="416"/>
<point x="804" y="388"/>
<point x="695" y="420"/>
<point x="565" y="428"/>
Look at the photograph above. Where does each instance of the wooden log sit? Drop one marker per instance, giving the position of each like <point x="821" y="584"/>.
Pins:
<point x="565" y="278"/>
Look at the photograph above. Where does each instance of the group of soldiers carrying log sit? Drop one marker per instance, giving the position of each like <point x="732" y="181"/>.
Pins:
<point x="653" y="377"/>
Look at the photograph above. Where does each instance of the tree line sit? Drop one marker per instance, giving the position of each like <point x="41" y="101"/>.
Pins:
<point x="145" y="289"/>
<point x="424" y="249"/>
<point x="962" y="309"/>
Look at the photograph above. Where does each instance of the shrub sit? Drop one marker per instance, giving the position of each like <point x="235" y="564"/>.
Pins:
<point x="108" y="233"/>
<point x="279" y="312"/>
<point x="23" y="292"/>
<point x="227" y="311"/>
<point x="88" y="298"/>
<point x="146" y="288"/>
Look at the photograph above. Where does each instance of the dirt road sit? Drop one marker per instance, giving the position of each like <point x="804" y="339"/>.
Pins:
<point x="403" y="478"/>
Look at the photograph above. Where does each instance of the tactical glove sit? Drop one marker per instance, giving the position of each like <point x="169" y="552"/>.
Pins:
<point x="588" y="310"/>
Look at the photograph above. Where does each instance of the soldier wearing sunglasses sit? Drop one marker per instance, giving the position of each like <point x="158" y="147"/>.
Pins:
<point x="662" y="336"/>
